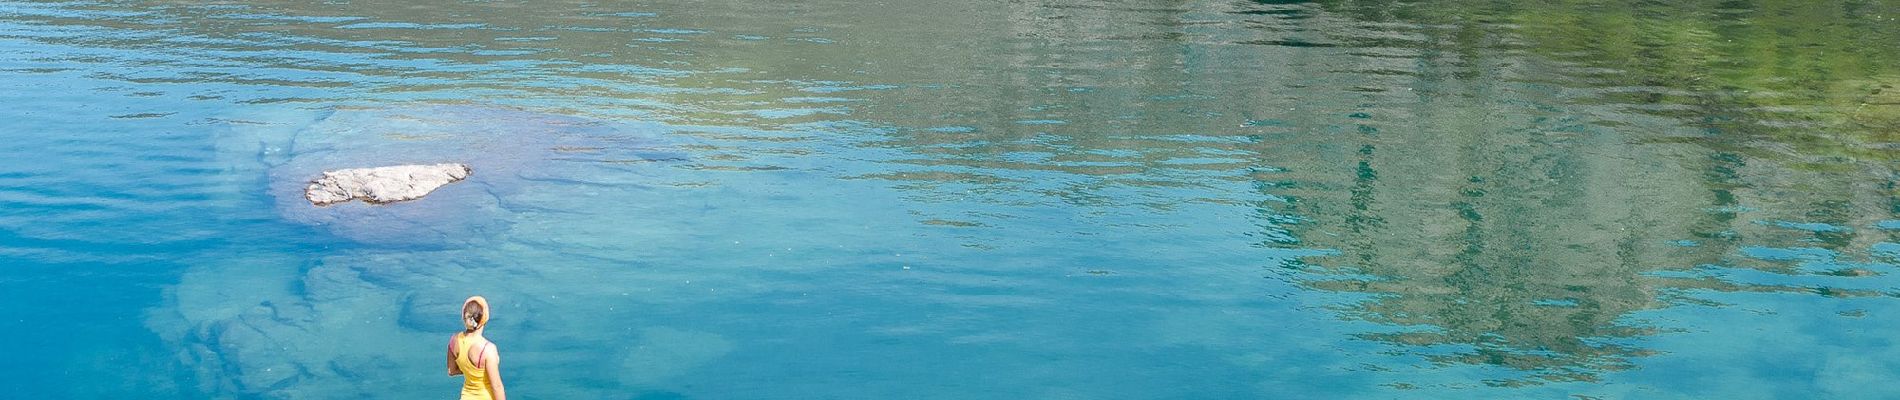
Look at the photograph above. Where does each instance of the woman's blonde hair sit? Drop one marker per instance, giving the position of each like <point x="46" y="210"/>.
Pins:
<point x="474" y="313"/>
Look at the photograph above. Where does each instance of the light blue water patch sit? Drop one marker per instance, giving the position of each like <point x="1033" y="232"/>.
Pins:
<point x="1118" y="153"/>
<point x="1200" y="161"/>
<point x="1179" y="97"/>
<point x="1827" y="278"/>
<point x="578" y="28"/>
<point x="1556" y="302"/>
<point x="297" y="18"/>
<point x="780" y="113"/>
<point x="526" y="39"/>
<point x="58" y="11"/>
<point x="407" y="25"/>
<point x="1771" y="345"/>
<point x="1191" y="138"/>
<point x="515" y="52"/>
<point x="1788" y="254"/>
<point x="1889" y="250"/>
<point x="1891" y="224"/>
<point x="837" y="89"/>
<point x="953" y="129"/>
<point x="675" y="31"/>
<point x="1027" y="156"/>
<point x="1815" y="227"/>
<point x="811" y="100"/>
<point x="628" y="14"/>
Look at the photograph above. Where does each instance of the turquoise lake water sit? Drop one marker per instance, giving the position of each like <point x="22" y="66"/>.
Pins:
<point x="957" y="200"/>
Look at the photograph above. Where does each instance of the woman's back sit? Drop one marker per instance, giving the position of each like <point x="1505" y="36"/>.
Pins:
<point x="474" y="377"/>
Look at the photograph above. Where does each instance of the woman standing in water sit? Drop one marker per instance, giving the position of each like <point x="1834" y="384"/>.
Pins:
<point x="474" y="357"/>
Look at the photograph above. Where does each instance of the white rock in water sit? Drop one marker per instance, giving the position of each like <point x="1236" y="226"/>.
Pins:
<point x="382" y="184"/>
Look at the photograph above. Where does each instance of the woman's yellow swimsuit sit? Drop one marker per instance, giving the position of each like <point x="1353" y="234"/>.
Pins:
<point x="474" y="378"/>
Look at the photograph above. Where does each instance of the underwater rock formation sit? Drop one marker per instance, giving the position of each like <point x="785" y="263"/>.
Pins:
<point x="518" y="152"/>
<point x="365" y="319"/>
<point x="382" y="185"/>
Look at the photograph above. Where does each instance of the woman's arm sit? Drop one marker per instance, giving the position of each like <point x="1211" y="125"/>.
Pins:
<point x="453" y="369"/>
<point x="492" y="364"/>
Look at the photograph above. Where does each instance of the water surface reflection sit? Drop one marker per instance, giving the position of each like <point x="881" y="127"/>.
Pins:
<point x="1219" y="199"/>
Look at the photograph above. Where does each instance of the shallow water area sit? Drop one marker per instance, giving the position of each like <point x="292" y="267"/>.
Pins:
<point x="516" y="151"/>
<point x="1054" y="199"/>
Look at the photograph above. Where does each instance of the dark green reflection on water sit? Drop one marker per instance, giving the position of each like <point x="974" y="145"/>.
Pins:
<point x="1527" y="234"/>
<point x="1508" y="179"/>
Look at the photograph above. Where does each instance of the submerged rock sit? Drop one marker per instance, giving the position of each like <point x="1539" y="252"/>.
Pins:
<point x="518" y="152"/>
<point x="382" y="184"/>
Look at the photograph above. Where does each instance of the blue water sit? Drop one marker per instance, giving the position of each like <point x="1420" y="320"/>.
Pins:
<point x="734" y="200"/>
